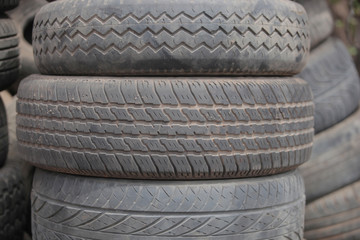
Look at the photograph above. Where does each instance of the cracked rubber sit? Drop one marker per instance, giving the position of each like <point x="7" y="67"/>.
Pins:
<point x="9" y="52"/>
<point x="335" y="216"/>
<point x="334" y="81"/>
<point x="171" y="128"/>
<point x="4" y="140"/>
<point x="77" y="207"/>
<point x="6" y="5"/>
<point x="176" y="37"/>
<point x="321" y="22"/>
<point x="335" y="159"/>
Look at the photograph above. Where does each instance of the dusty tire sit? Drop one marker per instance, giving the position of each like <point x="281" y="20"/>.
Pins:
<point x="104" y="208"/>
<point x="334" y="81"/>
<point x="4" y="140"/>
<point x="335" y="216"/>
<point x="321" y="22"/>
<point x="165" y="128"/>
<point x="6" y="5"/>
<point x="12" y="201"/>
<point x="335" y="160"/>
<point x="9" y="52"/>
<point x="206" y="37"/>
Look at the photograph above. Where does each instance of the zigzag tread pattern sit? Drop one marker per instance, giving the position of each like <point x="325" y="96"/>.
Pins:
<point x="321" y="22"/>
<point x="185" y="34"/>
<point x="169" y="128"/>
<point x="216" y="209"/>
<point x="174" y="33"/>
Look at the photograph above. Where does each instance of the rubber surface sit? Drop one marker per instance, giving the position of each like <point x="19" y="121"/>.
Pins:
<point x="73" y="207"/>
<point x="321" y="22"/>
<point x="23" y="17"/>
<point x="6" y="5"/>
<point x="25" y="170"/>
<point x="334" y="81"/>
<point x="335" y="216"/>
<point x="165" y="127"/>
<point x="176" y="37"/>
<point x="4" y="140"/>
<point x="335" y="160"/>
<point x="9" y="52"/>
<point x="12" y="201"/>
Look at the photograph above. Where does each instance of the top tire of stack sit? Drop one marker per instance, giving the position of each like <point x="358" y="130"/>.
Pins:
<point x="171" y="37"/>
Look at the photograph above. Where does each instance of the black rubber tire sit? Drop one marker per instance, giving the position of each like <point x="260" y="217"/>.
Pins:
<point x="321" y="22"/>
<point x="4" y="140"/>
<point x="334" y="81"/>
<point x="9" y="52"/>
<point x="74" y="207"/>
<point x="169" y="128"/>
<point x="335" y="160"/>
<point x="23" y="17"/>
<point x="335" y="216"/>
<point x="176" y="37"/>
<point x="6" y="5"/>
<point x="12" y="201"/>
<point x="24" y="168"/>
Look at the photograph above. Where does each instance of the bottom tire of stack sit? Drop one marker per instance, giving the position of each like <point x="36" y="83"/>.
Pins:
<point x="334" y="81"/>
<point x="335" y="159"/>
<point x="12" y="201"/>
<point x="335" y="216"/>
<point x="165" y="128"/>
<point x="79" y="207"/>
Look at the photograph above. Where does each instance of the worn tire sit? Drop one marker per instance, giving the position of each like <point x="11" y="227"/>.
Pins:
<point x="12" y="201"/>
<point x="74" y="207"/>
<point x="6" y="5"/>
<point x="165" y="128"/>
<point x="335" y="216"/>
<point x="9" y="52"/>
<point x="321" y="22"/>
<point x="177" y="37"/>
<point x="4" y="140"/>
<point x="335" y="160"/>
<point x="334" y="81"/>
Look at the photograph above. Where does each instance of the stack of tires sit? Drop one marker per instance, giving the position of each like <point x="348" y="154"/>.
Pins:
<point x="12" y="194"/>
<point x="332" y="175"/>
<point x="141" y="127"/>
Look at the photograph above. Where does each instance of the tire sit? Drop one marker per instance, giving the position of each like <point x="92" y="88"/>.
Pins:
<point x="321" y="22"/>
<point x="168" y="128"/>
<point x="335" y="216"/>
<point x="24" y="168"/>
<point x="334" y="81"/>
<point x="12" y="201"/>
<point x="335" y="160"/>
<point x="9" y="52"/>
<point x="23" y="17"/>
<point x="4" y="140"/>
<point x="204" y="37"/>
<point x="6" y="5"/>
<point x="258" y="208"/>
